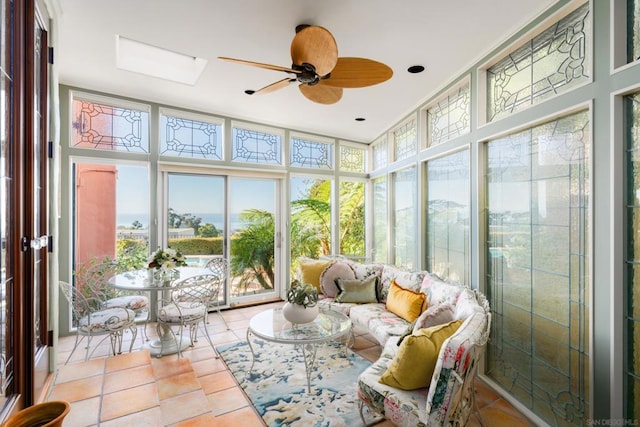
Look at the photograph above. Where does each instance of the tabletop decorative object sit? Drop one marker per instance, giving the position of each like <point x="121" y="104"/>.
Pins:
<point x="164" y="262"/>
<point x="302" y="303"/>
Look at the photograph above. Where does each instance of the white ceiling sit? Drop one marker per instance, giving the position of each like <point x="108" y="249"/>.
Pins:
<point x="445" y="36"/>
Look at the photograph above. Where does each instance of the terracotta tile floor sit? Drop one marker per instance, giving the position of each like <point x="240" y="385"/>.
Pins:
<point x="136" y="389"/>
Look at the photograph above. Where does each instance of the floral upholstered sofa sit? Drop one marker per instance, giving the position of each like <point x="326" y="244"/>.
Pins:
<point x="425" y="374"/>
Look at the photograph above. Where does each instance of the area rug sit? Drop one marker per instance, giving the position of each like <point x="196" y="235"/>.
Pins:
<point x="277" y="384"/>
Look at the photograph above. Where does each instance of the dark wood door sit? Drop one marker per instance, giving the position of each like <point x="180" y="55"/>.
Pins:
<point x="24" y="353"/>
<point x="36" y="210"/>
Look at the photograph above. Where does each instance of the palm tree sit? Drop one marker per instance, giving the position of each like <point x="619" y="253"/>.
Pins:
<point x="311" y="219"/>
<point x="252" y="250"/>
<point x="352" y="218"/>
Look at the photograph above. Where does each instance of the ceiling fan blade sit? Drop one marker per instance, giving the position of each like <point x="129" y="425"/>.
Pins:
<point x="316" y="46"/>
<point x="357" y="72"/>
<point x="260" y="64"/>
<point x="321" y="94"/>
<point x="274" y="86"/>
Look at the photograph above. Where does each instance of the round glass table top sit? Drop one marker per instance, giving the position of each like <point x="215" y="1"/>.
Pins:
<point x="144" y="280"/>
<point x="272" y="326"/>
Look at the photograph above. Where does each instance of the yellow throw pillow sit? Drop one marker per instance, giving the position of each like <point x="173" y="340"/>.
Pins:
<point x="405" y="303"/>
<point x="311" y="270"/>
<point x="413" y="365"/>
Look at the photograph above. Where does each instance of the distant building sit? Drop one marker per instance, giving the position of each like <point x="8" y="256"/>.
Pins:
<point x="174" y="233"/>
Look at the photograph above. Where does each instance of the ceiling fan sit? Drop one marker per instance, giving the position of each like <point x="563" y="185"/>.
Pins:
<point x="316" y="66"/>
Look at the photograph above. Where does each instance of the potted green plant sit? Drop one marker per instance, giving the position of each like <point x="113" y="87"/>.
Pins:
<point x="302" y="303"/>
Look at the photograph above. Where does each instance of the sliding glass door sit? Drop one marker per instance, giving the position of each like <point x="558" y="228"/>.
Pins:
<point x="210" y="216"/>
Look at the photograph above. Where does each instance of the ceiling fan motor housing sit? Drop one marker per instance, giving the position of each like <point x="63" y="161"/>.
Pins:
<point x="308" y="74"/>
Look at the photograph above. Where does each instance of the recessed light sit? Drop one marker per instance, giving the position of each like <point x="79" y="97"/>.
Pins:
<point x="249" y="92"/>
<point x="414" y="69"/>
<point x="360" y="119"/>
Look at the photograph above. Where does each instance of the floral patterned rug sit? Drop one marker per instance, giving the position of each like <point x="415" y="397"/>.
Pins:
<point x="277" y="384"/>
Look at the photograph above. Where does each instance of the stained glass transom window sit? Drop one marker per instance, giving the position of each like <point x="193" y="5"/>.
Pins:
<point x="449" y="117"/>
<point x="380" y="153"/>
<point x="633" y="30"/>
<point x="183" y="137"/>
<point x="538" y="262"/>
<point x="311" y="154"/>
<point x="352" y="159"/>
<point x="448" y="214"/>
<point x="405" y="140"/>
<point x="632" y="282"/>
<point x="250" y="146"/>
<point x="552" y="62"/>
<point x="105" y="127"/>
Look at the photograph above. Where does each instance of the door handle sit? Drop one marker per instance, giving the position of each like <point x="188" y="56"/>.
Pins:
<point x="40" y="242"/>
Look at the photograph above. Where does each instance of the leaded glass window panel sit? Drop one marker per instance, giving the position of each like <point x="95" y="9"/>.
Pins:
<point x="633" y="30"/>
<point x="449" y="117"/>
<point x="632" y="282"/>
<point x="251" y="146"/>
<point x="380" y="153"/>
<point x="448" y="211"/>
<point x="538" y="261"/>
<point x="311" y="154"/>
<point x="405" y="198"/>
<point x="405" y="140"/>
<point x="352" y="159"/>
<point x="380" y="219"/>
<point x="107" y="127"/>
<point x="183" y="137"/>
<point x="552" y="62"/>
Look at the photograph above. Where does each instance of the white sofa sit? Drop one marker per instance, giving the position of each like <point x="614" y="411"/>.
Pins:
<point x="449" y="398"/>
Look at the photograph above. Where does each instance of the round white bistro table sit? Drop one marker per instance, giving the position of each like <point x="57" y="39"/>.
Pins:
<point x="143" y="281"/>
<point x="270" y="325"/>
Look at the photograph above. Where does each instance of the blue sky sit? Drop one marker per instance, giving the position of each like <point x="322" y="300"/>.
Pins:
<point x="193" y="193"/>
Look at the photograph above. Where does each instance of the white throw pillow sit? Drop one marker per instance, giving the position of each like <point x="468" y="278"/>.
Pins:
<point x="337" y="270"/>
<point x="434" y="315"/>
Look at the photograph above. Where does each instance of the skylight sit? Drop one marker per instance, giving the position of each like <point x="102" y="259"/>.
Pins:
<point x="154" y="61"/>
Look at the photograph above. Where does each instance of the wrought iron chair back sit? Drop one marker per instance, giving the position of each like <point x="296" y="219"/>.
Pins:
<point x="196" y="289"/>
<point x="187" y="307"/>
<point x="94" y="277"/>
<point x="220" y="268"/>
<point x="91" y="319"/>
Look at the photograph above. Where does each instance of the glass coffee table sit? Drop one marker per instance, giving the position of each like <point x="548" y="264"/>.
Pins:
<point x="270" y="325"/>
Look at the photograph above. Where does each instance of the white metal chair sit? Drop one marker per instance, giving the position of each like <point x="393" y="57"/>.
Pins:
<point x="91" y="320"/>
<point x="96" y="275"/>
<point x="219" y="267"/>
<point x="188" y="306"/>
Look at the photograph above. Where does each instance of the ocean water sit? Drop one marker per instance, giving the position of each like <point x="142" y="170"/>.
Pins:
<point x="125" y="220"/>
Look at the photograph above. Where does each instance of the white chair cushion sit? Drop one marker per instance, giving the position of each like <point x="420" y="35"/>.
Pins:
<point x="187" y="311"/>
<point x="132" y="302"/>
<point x="109" y="319"/>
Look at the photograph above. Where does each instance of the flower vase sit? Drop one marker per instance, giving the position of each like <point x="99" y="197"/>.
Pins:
<point x="297" y="314"/>
<point x="166" y="276"/>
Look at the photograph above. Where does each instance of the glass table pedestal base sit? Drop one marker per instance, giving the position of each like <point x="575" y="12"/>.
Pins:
<point x="167" y="344"/>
